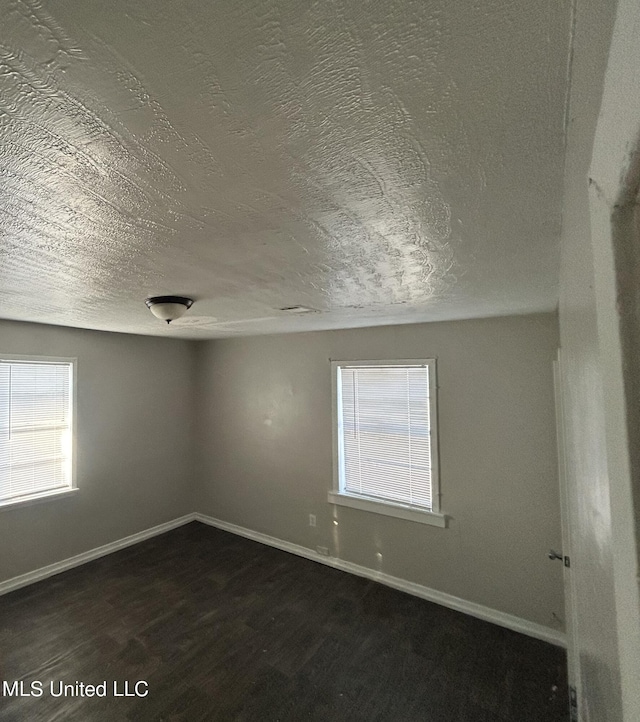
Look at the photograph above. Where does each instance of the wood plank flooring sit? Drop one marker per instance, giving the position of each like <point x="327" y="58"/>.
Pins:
<point x="223" y="628"/>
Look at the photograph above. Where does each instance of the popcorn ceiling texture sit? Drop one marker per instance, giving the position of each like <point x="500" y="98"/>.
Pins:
<point x="380" y="162"/>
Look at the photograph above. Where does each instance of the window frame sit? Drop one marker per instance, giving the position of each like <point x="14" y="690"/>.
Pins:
<point x="66" y="491"/>
<point x="433" y="516"/>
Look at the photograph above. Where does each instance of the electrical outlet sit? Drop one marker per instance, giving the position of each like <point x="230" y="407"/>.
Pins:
<point x="323" y="550"/>
<point x="312" y="519"/>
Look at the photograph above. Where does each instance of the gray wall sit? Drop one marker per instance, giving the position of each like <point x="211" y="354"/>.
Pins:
<point x="266" y="440"/>
<point x="240" y="429"/>
<point x="134" y="444"/>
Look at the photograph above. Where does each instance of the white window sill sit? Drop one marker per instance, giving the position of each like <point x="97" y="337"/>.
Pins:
<point x="388" y="508"/>
<point x="36" y="498"/>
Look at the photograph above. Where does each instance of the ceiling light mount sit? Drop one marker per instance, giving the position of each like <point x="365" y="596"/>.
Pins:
<point x="168" y="308"/>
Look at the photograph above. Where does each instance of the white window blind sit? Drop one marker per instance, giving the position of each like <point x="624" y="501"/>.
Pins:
<point x="384" y="430"/>
<point x="35" y="427"/>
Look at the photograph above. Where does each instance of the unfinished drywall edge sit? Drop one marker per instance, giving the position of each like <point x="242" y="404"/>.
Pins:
<point x="51" y="570"/>
<point x="502" y="619"/>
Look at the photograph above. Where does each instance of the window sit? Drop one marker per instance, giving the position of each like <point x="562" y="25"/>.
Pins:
<point x="385" y="438"/>
<point x="36" y="429"/>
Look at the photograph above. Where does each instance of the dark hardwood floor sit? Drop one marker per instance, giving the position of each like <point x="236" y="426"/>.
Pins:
<point x="222" y="628"/>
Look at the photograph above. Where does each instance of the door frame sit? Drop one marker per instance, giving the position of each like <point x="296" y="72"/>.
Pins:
<point x="615" y="237"/>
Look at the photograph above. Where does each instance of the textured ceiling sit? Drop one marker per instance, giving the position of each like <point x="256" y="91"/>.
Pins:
<point x="379" y="162"/>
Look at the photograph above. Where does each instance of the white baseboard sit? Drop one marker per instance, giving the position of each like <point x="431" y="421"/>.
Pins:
<point x="35" y="576"/>
<point x="517" y="624"/>
<point x="502" y="619"/>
